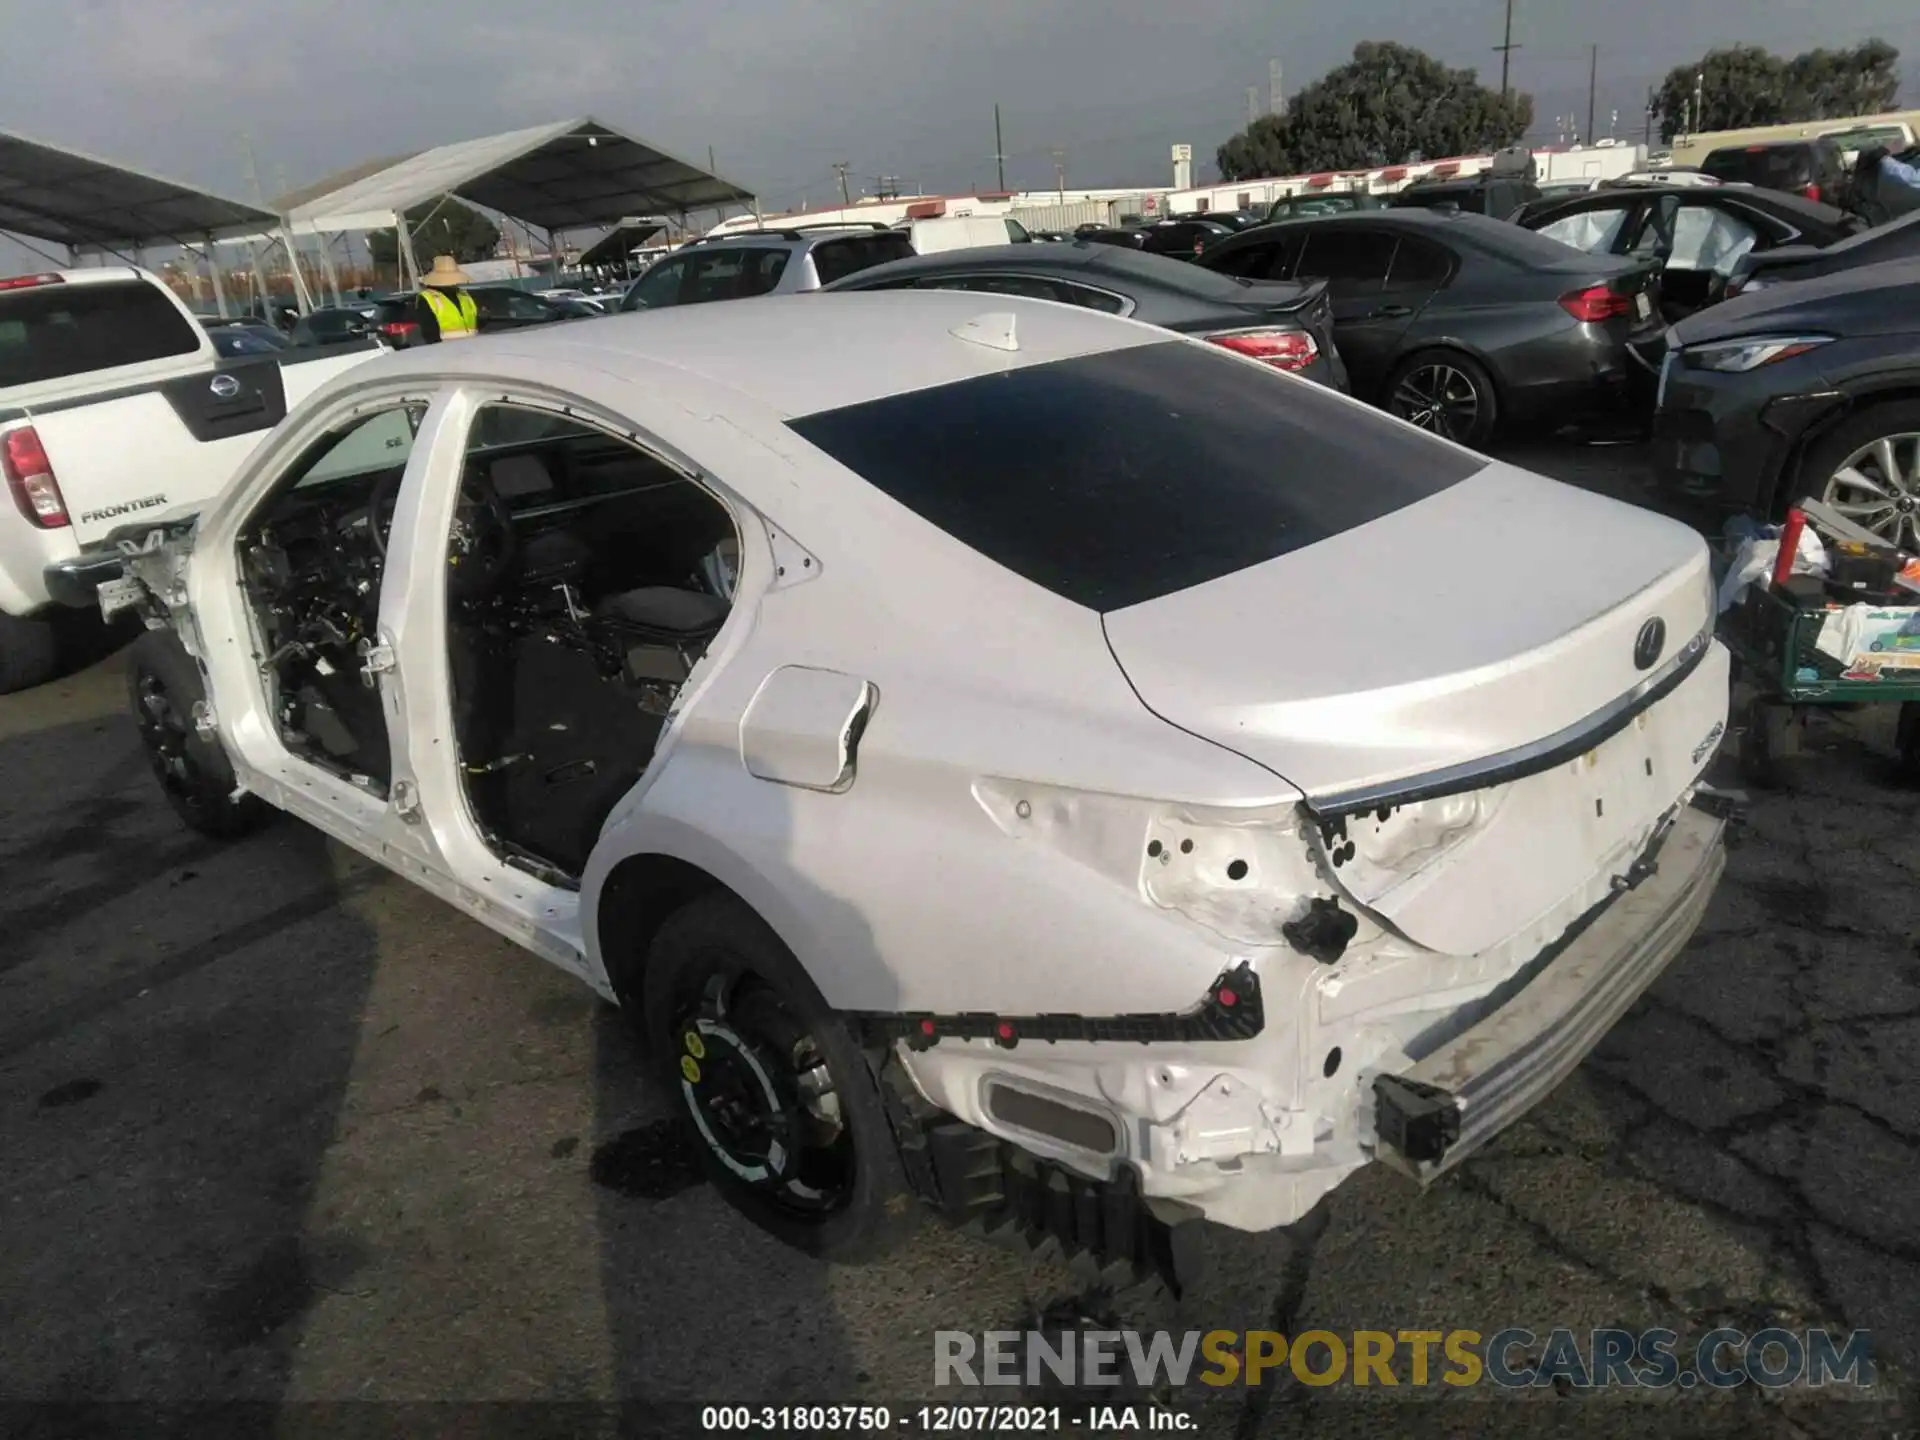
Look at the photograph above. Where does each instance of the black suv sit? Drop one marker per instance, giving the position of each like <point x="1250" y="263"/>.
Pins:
<point x="1814" y="168"/>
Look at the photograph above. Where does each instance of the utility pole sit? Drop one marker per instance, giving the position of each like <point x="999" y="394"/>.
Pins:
<point x="999" y="151"/>
<point x="1060" y="173"/>
<point x="1506" y="47"/>
<point x="1653" y="108"/>
<point x="710" y="169"/>
<point x="1699" y="100"/>
<point x="840" y="168"/>
<point x="1593" y="76"/>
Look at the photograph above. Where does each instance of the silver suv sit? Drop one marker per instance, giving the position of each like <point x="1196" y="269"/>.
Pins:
<point x="764" y="262"/>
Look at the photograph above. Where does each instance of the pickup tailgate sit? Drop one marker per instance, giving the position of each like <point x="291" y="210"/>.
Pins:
<point x="172" y="444"/>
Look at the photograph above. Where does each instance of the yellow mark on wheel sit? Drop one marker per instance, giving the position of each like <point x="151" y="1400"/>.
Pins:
<point x="696" y="1047"/>
<point x="690" y="1068"/>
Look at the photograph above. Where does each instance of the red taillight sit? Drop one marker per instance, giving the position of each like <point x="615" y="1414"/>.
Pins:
<point x="30" y="478"/>
<point x="1813" y="192"/>
<point x="399" y="329"/>
<point x="27" y="282"/>
<point x="1282" y="349"/>
<point x="1596" y="303"/>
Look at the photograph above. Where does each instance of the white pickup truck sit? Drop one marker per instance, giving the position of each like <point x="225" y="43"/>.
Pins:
<point x="115" y="406"/>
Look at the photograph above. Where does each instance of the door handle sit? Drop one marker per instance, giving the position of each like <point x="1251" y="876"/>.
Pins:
<point x="1391" y="312"/>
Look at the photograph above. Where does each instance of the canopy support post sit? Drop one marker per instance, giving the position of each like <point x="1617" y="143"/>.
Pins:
<point x="302" y="299"/>
<point x="213" y="269"/>
<point x="409" y="267"/>
<point x="326" y="266"/>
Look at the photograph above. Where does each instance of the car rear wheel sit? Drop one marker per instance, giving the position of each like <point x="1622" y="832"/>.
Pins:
<point x="164" y="686"/>
<point x="786" y="1109"/>
<point x="1445" y="392"/>
<point x="1868" y="469"/>
<point x="29" y="651"/>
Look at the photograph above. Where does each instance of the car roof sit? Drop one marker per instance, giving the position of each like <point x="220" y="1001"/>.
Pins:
<point x="801" y="235"/>
<point x="774" y="350"/>
<point x="1805" y="142"/>
<point x="1758" y="197"/>
<point x="1115" y="267"/>
<point x="1501" y="239"/>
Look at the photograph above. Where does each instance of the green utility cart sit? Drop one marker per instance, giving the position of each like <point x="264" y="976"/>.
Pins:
<point x="1775" y="644"/>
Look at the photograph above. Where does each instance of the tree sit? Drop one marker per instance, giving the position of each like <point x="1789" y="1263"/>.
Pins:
<point x="1828" y="84"/>
<point x="1746" y="85"/>
<point x="1390" y="105"/>
<point x="441" y="227"/>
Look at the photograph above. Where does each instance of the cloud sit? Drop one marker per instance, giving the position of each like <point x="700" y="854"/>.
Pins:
<point x="782" y="89"/>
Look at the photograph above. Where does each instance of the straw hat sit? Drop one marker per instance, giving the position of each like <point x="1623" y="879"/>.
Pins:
<point x="445" y="274"/>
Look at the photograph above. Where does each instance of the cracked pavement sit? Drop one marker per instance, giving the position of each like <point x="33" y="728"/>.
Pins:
<point x="278" y="1126"/>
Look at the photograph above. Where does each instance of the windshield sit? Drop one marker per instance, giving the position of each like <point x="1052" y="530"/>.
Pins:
<point x="51" y="331"/>
<point x="1116" y="478"/>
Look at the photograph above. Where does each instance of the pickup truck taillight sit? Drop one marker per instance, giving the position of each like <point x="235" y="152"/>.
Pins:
<point x="30" y="478"/>
<point x="1282" y="349"/>
<point x="1812" y="192"/>
<point x="399" y="330"/>
<point x="1596" y="303"/>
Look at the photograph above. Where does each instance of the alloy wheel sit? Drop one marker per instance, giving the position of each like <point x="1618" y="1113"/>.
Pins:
<point x="1439" y="398"/>
<point x="1878" y="487"/>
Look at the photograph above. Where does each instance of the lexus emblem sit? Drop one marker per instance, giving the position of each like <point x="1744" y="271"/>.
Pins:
<point x="1648" y="644"/>
<point x="224" y="387"/>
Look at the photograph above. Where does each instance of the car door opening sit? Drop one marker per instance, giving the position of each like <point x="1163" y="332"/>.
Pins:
<point x="311" y="558"/>
<point x="586" y="579"/>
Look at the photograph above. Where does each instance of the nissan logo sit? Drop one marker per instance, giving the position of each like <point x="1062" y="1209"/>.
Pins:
<point x="224" y="387"/>
<point x="1648" y="644"/>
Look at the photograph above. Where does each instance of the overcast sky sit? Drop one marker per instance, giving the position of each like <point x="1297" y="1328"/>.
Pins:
<point x="781" y="89"/>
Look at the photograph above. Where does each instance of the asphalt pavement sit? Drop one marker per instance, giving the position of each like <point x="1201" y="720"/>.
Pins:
<point x="278" y="1127"/>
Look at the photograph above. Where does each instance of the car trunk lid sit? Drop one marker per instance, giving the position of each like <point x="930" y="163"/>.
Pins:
<point x="1476" y="644"/>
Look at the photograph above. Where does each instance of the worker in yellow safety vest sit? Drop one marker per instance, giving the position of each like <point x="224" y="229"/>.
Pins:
<point x="444" y="311"/>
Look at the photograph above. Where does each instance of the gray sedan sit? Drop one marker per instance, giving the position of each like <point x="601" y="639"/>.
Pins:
<point x="1286" y="324"/>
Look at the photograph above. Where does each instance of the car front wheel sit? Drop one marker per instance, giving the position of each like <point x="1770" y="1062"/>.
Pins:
<point x="1868" y="469"/>
<point x="164" y="687"/>
<point x="786" y="1109"/>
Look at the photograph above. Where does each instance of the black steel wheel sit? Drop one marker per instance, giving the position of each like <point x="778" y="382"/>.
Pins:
<point x="1446" y="393"/>
<point x="785" y="1107"/>
<point x="164" y="688"/>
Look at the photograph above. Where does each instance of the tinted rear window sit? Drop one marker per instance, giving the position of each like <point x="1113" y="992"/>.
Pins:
<point x="52" y="331"/>
<point x="836" y="259"/>
<point x="1117" y="478"/>
<point x="1773" y="167"/>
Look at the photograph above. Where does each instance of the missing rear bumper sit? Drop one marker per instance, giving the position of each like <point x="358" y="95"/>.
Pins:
<point x="1456" y="1099"/>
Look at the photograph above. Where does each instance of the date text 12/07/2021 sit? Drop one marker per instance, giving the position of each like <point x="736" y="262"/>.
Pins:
<point x="943" y="1419"/>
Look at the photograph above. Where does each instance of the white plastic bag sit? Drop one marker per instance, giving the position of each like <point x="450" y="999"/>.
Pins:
<point x="1754" y="558"/>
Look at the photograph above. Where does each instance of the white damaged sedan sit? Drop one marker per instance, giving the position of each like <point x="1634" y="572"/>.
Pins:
<point x="997" y="752"/>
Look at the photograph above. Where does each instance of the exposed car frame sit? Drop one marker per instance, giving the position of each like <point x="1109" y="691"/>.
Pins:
<point x="1016" y="867"/>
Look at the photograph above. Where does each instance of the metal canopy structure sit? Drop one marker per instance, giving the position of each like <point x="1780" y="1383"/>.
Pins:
<point x="616" y="247"/>
<point x="561" y="176"/>
<point x="65" y="198"/>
